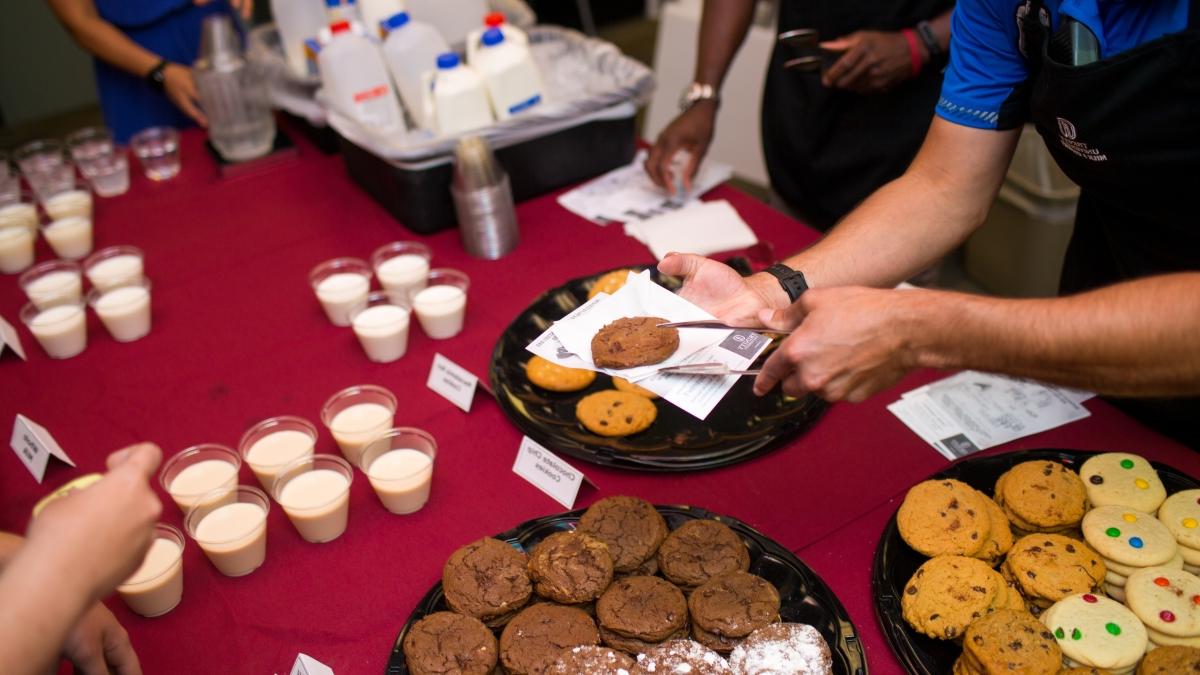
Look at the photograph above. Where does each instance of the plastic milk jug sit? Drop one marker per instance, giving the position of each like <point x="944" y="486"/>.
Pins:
<point x="356" y="80"/>
<point x="494" y="20"/>
<point x="512" y="78"/>
<point x="456" y="98"/>
<point x="411" y="49"/>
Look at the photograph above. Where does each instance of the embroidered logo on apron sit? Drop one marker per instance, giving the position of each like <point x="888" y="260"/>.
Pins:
<point x="1066" y="137"/>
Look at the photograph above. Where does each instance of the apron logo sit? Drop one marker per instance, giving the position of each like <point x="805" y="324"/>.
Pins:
<point x="1066" y="129"/>
<point x="1067" y="134"/>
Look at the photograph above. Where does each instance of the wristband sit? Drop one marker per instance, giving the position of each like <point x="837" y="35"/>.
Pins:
<point x="792" y="281"/>
<point x="914" y="49"/>
<point x="157" y="77"/>
<point x="925" y="32"/>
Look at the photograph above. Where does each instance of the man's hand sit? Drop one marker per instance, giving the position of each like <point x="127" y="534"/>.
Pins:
<point x="720" y="290"/>
<point x="98" y="645"/>
<point x="181" y="89"/>
<point x="848" y="343"/>
<point x="873" y="62"/>
<point x="691" y="131"/>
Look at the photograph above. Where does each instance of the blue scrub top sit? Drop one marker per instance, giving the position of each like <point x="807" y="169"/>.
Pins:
<point x="170" y="29"/>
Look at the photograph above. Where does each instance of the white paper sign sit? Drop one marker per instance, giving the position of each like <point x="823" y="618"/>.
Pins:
<point x="307" y="665"/>
<point x="35" y="446"/>
<point x="548" y="472"/>
<point x="455" y="383"/>
<point x="9" y="337"/>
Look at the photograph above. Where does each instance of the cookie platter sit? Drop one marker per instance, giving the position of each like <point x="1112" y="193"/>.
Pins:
<point x="896" y="562"/>
<point x="804" y="597"/>
<point x="742" y="425"/>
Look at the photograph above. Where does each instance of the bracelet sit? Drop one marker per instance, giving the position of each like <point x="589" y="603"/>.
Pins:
<point x="925" y="32"/>
<point x="914" y="50"/>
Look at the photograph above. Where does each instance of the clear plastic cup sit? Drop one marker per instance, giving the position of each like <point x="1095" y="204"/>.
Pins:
<point x="108" y="174"/>
<point x="199" y="471"/>
<point x="89" y="143"/>
<point x="53" y="181"/>
<point x="340" y="285"/>
<point x="315" y="494"/>
<point x="74" y="199"/>
<point x="38" y="156"/>
<point x="60" y="327"/>
<point x="157" y="586"/>
<point x="21" y="212"/>
<point x="16" y="248"/>
<point x="47" y="282"/>
<point x="441" y="306"/>
<point x="231" y="528"/>
<point x="402" y="268"/>
<point x="115" y="266"/>
<point x="157" y="148"/>
<point x="71" y="237"/>
<point x="10" y="186"/>
<point x="275" y="442"/>
<point x="357" y="415"/>
<point x="124" y="310"/>
<point x="399" y="466"/>
<point x="381" y="326"/>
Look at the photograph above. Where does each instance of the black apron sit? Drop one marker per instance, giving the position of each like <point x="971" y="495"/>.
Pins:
<point x="1127" y="129"/>
<point x="828" y="149"/>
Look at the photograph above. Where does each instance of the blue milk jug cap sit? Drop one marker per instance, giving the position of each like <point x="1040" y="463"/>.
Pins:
<point x="447" y="61"/>
<point x="492" y="37"/>
<point x="396" y="20"/>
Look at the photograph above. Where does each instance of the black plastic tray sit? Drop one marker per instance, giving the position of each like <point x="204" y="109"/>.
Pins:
<point x="895" y="562"/>
<point x="805" y="597"/>
<point x="742" y="426"/>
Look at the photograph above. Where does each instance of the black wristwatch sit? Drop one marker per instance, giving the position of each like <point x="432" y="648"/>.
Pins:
<point x="791" y="280"/>
<point x="925" y="32"/>
<point x="157" y="77"/>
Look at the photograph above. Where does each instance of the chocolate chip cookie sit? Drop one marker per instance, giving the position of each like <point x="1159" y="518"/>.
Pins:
<point x="681" y="656"/>
<point x="634" y="341"/>
<point x="1049" y="567"/>
<point x="947" y="594"/>
<point x="1041" y="496"/>
<point x="589" y="660"/>
<point x="1000" y="536"/>
<point x="486" y="579"/>
<point x="553" y="377"/>
<point x="1010" y="640"/>
<point x="632" y="528"/>
<point x="615" y="413"/>
<point x="734" y="605"/>
<point x="570" y="567"/>
<point x="446" y="641"/>
<point x="944" y="517"/>
<point x="645" y="608"/>
<point x="1170" y="661"/>
<point x="700" y="550"/>
<point x="536" y="636"/>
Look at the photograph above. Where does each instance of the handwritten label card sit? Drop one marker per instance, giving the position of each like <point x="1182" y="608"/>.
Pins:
<point x="455" y="383"/>
<point x="35" y="446"/>
<point x="548" y="472"/>
<point x="307" y="665"/>
<point x="9" y="338"/>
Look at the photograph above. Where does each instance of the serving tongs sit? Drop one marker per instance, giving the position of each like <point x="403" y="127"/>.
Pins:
<point x="713" y="368"/>
<point x="718" y="325"/>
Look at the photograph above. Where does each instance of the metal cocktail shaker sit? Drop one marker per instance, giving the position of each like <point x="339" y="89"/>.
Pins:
<point x="232" y="94"/>
<point x="487" y="219"/>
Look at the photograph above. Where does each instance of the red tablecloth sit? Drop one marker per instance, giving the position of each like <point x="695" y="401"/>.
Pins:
<point x="238" y="336"/>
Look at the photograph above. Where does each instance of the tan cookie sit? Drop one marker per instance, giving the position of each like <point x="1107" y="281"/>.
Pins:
<point x="615" y="413"/>
<point x="1000" y="536"/>
<point x="625" y="385"/>
<point x="1095" y="631"/>
<point x="948" y="593"/>
<point x="634" y="341"/>
<point x="609" y="283"/>
<point x="1181" y="514"/>
<point x="1122" y="479"/>
<point x="1129" y="537"/>
<point x="550" y="375"/>
<point x="943" y="517"/>
<point x="1050" y="567"/>
<point x="1010" y="640"/>
<point x="1166" y="600"/>
<point x="1164" y="640"/>
<point x="1043" y="494"/>
<point x="1170" y="660"/>
<point x="1175" y="563"/>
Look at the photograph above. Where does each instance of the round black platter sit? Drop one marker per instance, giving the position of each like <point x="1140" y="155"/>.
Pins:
<point x="804" y="596"/>
<point x="895" y="562"/>
<point x="742" y="425"/>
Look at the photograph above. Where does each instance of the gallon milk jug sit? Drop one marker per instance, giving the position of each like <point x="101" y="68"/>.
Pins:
<point x="513" y="83"/>
<point x="494" y="20"/>
<point x="456" y="99"/>
<point x="411" y="49"/>
<point x="375" y="12"/>
<point x="453" y="18"/>
<point x="297" y="21"/>
<point x="356" y="80"/>
<point x="241" y="125"/>
<point x="341" y="10"/>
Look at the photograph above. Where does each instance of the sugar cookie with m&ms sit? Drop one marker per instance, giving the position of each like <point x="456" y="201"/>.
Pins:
<point x="1181" y="514"/>
<point x="1128" y="537"/>
<point x="1166" y="600"/>
<point x="1094" y="631"/>
<point x="1122" y="479"/>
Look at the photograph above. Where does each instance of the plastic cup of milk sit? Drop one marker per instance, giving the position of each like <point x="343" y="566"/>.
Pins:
<point x="399" y="465"/>
<point x="341" y="284"/>
<point x="207" y="470"/>
<point x="401" y="267"/>
<point x="274" y="443"/>
<point x="382" y="327"/>
<point x="124" y="310"/>
<point x="18" y="233"/>
<point x="442" y="305"/>
<point x="157" y="585"/>
<point x="74" y="200"/>
<point x="231" y="528"/>
<point x="357" y="415"/>
<point x="60" y="327"/>
<point x="70" y="237"/>
<point x="115" y="266"/>
<point x="315" y="493"/>
<point x="46" y="282"/>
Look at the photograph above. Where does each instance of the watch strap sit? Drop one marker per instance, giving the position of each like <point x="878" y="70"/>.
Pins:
<point x="929" y="39"/>
<point x="157" y="77"/>
<point x="792" y="281"/>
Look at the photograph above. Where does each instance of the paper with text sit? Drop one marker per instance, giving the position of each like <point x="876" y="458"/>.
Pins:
<point x="35" y="446"/>
<point x="453" y="382"/>
<point x="548" y="472"/>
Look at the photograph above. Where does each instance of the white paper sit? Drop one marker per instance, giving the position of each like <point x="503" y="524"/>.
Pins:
<point x="453" y="382"/>
<point x="10" y="338"/>
<point x="548" y="472"/>
<point x="307" y="665"/>
<point x="35" y="446"/>
<point x="703" y="228"/>
<point x="626" y="194"/>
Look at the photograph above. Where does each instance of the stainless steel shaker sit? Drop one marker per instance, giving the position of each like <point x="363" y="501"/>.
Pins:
<point x="232" y="93"/>
<point x="487" y="219"/>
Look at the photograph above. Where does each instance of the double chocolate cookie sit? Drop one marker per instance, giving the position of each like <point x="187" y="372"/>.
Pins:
<point x="445" y="642"/>
<point x="588" y="660"/>
<point x="700" y="550"/>
<point x="486" y="579"/>
<point x="632" y="528"/>
<point x="636" y="612"/>
<point x="570" y="567"/>
<point x="730" y="607"/>
<point x="534" y="639"/>
<point x="634" y="341"/>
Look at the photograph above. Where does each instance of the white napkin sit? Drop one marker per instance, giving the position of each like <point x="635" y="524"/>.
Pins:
<point x="702" y="228"/>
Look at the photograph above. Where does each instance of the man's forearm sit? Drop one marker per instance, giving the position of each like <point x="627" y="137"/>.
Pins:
<point x="723" y="27"/>
<point x="1138" y="338"/>
<point x="102" y="39"/>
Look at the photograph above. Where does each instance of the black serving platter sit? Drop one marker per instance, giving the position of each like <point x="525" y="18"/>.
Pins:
<point x="742" y="425"/>
<point x="895" y="562"/>
<point x="804" y="596"/>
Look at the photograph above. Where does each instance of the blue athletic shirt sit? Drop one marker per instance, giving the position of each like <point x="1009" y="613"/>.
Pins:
<point x="986" y="65"/>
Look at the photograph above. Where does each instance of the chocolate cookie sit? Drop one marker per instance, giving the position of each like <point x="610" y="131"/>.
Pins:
<point x="534" y="639"/>
<point x="635" y="646"/>
<point x="783" y="649"/>
<point x="645" y="608"/>
<point x="634" y="341"/>
<point x="681" y="656"/>
<point x="589" y="660"/>
<point x="632" y="528"/>
<point x="1042" y="496"/>
<point x="948" y="593"/>
<point x="715" y="642"/>
<point x="734" y="605"/>
<point x="615" y="413"/>
<point x="1049" y="567"/>
<point x="1010" y="640"/>
<point x="944" y="517"/>
<point x="700" y="550"/>
<point x="445" y="642"/>
<point x="570" y="567"/>
<point x="486" y="579"/>
<point x="1170" y="661"/>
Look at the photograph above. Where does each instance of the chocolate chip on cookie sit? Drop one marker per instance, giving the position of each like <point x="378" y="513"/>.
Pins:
<point x="944" y="517"/>
<point x="947" y="594"/>
<point x="615" y="413"/>
<point x="1010" y="640"/>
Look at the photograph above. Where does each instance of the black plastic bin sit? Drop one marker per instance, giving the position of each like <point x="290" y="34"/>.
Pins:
<point x="418" y="195"/>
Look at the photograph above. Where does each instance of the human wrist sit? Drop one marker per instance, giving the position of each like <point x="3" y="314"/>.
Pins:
<point x="768" y="289"/>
